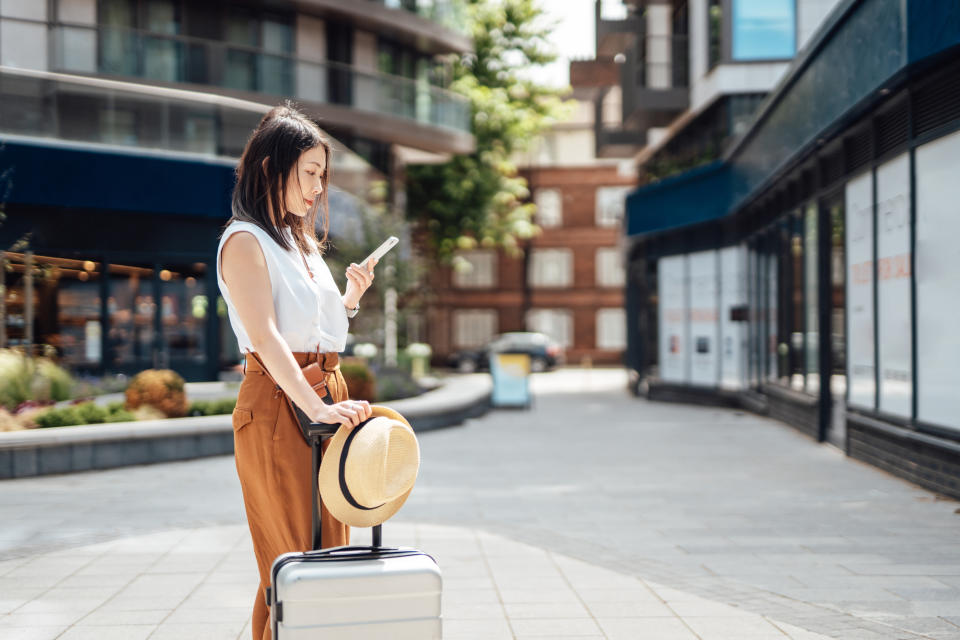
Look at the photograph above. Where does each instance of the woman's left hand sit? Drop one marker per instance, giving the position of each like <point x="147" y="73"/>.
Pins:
<point x="358" y="281"/>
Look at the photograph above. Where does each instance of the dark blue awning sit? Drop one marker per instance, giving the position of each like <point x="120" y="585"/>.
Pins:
<point x="68" y="175"/>
<point x="695" y="196"/>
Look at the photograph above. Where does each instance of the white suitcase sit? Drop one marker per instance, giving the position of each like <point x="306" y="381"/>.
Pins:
<point x="354" y="592"/>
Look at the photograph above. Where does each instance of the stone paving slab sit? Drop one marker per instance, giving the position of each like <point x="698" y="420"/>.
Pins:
<point x="733" y="509"/>
<point x="200" y="584"/>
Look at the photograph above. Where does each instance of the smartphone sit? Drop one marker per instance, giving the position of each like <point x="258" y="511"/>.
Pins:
<point x="379" y="252"/>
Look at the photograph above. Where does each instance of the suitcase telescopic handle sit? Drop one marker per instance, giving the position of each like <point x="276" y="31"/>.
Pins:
<point x="318" y="432"/>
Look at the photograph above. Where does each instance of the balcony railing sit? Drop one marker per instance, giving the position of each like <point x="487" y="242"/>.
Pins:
<point x="179" y="59"/>
<point x="447" y="13"/>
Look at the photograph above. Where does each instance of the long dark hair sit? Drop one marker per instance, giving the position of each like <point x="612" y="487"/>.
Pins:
<point x="282" y="135"/>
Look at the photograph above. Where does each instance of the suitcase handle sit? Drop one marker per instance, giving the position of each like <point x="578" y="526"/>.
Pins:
<point x="318" y="432"/>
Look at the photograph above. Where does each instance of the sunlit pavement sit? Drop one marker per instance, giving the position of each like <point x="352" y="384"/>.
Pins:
<point x="595" y="514"/>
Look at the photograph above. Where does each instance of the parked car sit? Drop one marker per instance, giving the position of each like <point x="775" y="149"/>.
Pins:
<point x="545" y="353"/>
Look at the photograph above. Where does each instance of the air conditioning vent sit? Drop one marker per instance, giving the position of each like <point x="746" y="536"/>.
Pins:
<point x="937" y="102"/>
<point x="858" y="148"/>
<point x="892" y="128"/>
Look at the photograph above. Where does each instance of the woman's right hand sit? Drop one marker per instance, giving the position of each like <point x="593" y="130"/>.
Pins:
<point x="349" y="413"/>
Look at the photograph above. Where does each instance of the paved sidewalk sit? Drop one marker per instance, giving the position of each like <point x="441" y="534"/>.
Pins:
<point x="722" y="525"/>
<point x="199" y="584"/>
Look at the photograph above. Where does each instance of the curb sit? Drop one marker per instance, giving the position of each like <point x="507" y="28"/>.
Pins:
<point x="37" y="452"/>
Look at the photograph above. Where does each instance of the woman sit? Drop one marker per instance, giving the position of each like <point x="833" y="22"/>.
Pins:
<point x="285" y="307"/>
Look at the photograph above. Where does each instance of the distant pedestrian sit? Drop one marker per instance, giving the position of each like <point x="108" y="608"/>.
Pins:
<point x="285" y="309"/>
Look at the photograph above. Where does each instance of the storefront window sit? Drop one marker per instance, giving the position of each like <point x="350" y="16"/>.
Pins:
<point x="893" y="287"/>
<point x="703" y="318"/>
<point x="811" y="302"/>
<point x="672" y="288"/>
<point x="838" y="332"/>
<point x="131" y="307"/>
<point x="937" y="230"/>
<point x="860" y="357"/>
<point x="733" y="329"/>
<point x="796" y="352"/>
<point x="183" y="312"/>
<point x="78" y="318"/>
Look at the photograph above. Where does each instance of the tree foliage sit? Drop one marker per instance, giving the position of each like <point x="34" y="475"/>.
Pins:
<point x="478" y="199"/>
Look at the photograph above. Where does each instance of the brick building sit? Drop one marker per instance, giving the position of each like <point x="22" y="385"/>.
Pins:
<point x="569" y="282"/>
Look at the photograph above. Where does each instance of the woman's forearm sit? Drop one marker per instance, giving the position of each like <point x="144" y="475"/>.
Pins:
<point x="281" y="364"/>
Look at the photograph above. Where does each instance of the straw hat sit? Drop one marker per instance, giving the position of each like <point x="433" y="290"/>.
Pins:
<point x="368" y="471"/>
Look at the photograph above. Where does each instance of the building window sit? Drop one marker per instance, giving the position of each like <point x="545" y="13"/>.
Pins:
<point x="861" y="368"/>
<point x="475" y="269"/>
<point x="894" y="328"/>
<point x="551" y="268"/>
<point x="610" y="204"/>
<point x="473" y="327"/>
<point x="555" y="323"/>
<point x="611" y="329"/>
<point x="610" y="272"/>
<point x="549" y="207"/>
<point x="714" y="32"/>
<point x="764" y="29"/>
<point x="937" y="227"/>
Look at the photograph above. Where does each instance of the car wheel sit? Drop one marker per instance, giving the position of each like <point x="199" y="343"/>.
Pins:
<point x="538" y="364"/>
<point x="467" y="365"/>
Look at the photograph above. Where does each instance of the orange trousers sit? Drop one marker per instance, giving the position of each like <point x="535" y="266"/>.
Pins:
<point x="274" y="463"/>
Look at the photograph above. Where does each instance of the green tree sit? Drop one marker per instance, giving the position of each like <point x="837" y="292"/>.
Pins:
<point x="478" y="199"/>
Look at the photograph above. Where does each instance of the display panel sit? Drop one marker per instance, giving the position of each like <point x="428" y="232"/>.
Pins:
<point x="937" y="230"/>
<point x="893" y="287"/>
<point x="764" y="29"/>
<point x="672" y="290"/>
<point x="704" y="367"/>
<point x="861" y="374"/>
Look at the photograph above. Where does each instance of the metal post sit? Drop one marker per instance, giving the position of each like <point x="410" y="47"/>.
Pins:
<point x="824" y="313"/>
<point x="28" y="302"/>
<point x="3" y="300"/>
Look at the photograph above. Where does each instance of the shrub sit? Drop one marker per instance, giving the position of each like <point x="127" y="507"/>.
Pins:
<point x="360" y="380"/>
<point x="15" y="376"/>
<point x="24" y="379"/>
<point x="212" y="407"/>
<point x="199" y="408"/>
<point x="91" y="413"/>
<point x="225" y="405"/>
<point x="161" y="389"/>
<point x="394" y="383"/>
<point x="121" y="416"/>
<point x="62" y="417"/>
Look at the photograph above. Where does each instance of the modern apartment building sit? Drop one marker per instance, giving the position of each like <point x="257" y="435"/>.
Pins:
<point x="121" y="122"/>
<point x="569" y="282"/>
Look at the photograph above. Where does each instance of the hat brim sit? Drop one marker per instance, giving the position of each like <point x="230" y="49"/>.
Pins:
<point x="329" y="476"/>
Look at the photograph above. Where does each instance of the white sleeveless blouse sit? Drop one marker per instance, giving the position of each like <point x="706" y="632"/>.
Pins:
<point x="309" y="312"/>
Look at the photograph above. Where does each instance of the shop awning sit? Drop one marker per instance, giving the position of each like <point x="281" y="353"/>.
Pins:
<point x="62" y="174"/>
<point x="688" y="198"/>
